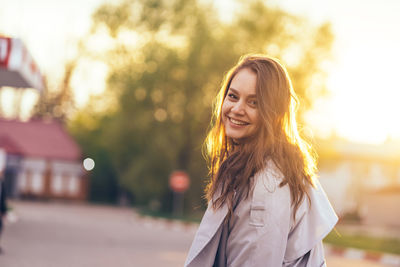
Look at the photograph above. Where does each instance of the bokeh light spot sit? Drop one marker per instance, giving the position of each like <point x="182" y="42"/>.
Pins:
<point x="160" y="115"/>
<point x="88" y="164"/>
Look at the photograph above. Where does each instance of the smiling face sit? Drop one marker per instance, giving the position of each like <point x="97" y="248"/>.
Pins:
<point x="239" y="109"/>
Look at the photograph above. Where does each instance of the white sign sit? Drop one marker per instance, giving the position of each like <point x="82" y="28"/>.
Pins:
<point x="17" y="67"/>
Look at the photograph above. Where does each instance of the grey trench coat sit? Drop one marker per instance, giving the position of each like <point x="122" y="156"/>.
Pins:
<point x="268" y="235"/>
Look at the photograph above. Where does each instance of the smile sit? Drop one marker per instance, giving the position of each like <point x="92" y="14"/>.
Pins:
<point x="237" y="122"/>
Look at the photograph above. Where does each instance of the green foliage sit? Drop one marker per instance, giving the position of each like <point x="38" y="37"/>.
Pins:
<point x="103" y="178"/>
<point x="164" y="85"/>
<point x="369" y="243"/>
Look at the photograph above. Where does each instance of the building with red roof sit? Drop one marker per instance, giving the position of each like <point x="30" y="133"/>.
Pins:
<point x="43" y="160"/>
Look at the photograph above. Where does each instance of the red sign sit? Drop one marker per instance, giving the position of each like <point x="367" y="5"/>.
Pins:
<point x="179" y="181"/>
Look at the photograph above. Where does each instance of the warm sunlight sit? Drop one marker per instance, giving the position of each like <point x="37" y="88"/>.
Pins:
<point x="363" y="92"/>
<point x="366" y="97"/>
<point x="103" y="102"/>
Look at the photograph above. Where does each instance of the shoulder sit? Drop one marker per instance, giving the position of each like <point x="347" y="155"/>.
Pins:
<point x="278" y="199"/>
<point x="268" y="181"/>
<point x="313" y="221"/>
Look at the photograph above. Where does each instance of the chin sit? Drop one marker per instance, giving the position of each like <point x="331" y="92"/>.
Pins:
<point x="241" y="137"/>
<point x="236" y="136"/>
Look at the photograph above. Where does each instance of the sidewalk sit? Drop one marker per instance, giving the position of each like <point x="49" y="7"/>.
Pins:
<point x="47" y="234"/>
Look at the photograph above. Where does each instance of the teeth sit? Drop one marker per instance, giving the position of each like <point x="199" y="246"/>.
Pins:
<point x="237" y="122"/>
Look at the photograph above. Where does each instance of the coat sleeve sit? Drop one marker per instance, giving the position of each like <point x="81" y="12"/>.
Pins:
<point x="314" y="220"/>
<point x="314" y="258"/>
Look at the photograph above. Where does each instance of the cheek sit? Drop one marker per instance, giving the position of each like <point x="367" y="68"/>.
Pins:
<point x="223" y="112"/>
<point x="225" y="107"/>
<point x="255" y="117"/>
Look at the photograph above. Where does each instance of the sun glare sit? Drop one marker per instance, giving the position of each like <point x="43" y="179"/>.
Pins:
<point x="363" y="105"/>
<point x="364" y="91"/>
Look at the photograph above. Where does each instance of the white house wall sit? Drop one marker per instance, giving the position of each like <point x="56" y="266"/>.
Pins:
<point x="36" y="168"/>
<point x="74" y="168"/>
<point x="336" y="184"/>
<point x="56" y="184"/>
<point x="349" y="184"/>
<point x="64" y="180"/>
<point x="376" y="179"/>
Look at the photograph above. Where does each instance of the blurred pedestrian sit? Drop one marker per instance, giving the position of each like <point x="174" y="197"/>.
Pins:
<point x="266" y="207"/>
<point x="3" y="204"/>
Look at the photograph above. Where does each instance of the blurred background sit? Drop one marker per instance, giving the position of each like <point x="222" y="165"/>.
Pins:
<point x="101" y="102"/>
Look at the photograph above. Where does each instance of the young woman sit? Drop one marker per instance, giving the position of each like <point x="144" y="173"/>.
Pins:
<point x="265" y="206"/>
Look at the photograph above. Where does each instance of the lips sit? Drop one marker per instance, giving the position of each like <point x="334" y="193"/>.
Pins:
<point x="237" y="122"/>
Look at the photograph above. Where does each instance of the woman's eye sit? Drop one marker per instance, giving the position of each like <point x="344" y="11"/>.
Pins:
<point x="233" y="96"/>
<point x="253" y="102"/>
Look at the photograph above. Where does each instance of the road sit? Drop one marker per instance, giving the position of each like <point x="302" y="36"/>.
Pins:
<point x="58" y="234"/>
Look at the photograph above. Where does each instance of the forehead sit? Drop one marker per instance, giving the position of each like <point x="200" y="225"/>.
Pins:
<point x="245" y="82"/>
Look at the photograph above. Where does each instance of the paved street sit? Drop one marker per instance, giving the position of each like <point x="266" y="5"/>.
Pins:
<point x="57" y="234"/>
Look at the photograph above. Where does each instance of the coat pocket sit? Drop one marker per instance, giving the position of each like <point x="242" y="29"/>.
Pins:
<point x="257" y="215"/>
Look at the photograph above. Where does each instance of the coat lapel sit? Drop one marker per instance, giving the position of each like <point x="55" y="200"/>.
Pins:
<point x="209" y="225"/>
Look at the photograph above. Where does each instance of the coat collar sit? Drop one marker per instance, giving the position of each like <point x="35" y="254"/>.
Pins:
<point x="209" y="225"/>
<point x="213" y="219"/>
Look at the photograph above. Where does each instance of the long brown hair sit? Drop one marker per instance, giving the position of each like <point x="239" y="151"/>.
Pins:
<point x="232" y="165"/>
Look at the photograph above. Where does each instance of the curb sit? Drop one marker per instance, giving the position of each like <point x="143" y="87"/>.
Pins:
<point x="358" y="254"/>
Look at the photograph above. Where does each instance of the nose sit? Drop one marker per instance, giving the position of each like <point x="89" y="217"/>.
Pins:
<point x="239" y="108"/>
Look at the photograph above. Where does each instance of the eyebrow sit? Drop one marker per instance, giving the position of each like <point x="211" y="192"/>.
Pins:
<point x="237" y="92"/>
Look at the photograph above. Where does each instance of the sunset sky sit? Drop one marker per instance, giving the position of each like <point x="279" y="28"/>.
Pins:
<point x="363" y="80"/>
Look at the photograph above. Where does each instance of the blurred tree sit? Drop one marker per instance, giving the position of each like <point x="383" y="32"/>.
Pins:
<point x="103" y="178"/>
<point x="57" y="104"/>
<point x="166" y="65"/>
